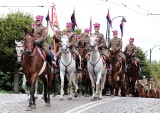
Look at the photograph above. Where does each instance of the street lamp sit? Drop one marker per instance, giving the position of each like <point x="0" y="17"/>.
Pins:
<point x="108" y="26"/>
<point x="151" y="49"/>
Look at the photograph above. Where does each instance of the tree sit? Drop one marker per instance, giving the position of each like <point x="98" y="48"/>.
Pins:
<point x="144" y="65"/>
<point x="11" y="29"/>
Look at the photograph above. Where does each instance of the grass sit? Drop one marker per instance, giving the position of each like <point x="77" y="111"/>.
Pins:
<point x="3" y="91"/>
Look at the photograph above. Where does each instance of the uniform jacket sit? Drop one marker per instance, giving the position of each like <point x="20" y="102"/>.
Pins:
<point x="130" y="48"/>
<point x="101" y="40"/>
<point x="115" y="43"/>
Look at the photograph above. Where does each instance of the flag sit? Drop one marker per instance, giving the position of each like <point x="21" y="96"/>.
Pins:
<point x="108" y="18"/>
<point x="47" y="18"/>
<point x="90" y="26"/>
<point x="73" y="20"/>
<point x="121" y="28"/>
<point x="55" y="19"/>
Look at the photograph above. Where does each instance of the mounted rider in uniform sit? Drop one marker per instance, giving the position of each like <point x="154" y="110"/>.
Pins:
<point x="116" y="45"/>
<point x="72" y="40"/>
<point x="40" y="34"/>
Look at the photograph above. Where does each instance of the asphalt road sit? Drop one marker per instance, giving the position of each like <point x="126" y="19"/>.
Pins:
<point x="17" y="103"/>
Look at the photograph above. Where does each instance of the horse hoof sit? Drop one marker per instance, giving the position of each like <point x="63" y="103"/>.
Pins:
<point x="42" y="97"/>
<point x="29" y="109"/>
<point x="76" y="95"/>
<point x="61" y="99"/>
<point x="33" y="106"/>
<point x="92" y="99"/>
<point x="36" y="97"/>
<point x="48" y="104"/>
<point x="69" y="98"/>
<point x="99" y="98"/>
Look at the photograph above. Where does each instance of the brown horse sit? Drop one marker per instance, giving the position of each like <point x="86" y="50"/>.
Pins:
<point x="151" y="91"/>
<point x="35" y="66"/>
<point x="84" y="80"/>
<point x="118" y="77"/>
<point x="140" y="90"/>
<point x="131" y="74"/>
<point x="158" y="93"/>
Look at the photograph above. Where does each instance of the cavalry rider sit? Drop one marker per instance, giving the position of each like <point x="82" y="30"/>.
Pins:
<point x="130" y="49"/>
<point x="72" y="40"/>
<point x="100" y="39"/>
<point x="116" y="44"/>
<point x="144" y="82"/>
<point x="151" y="82"/>
<point x="40" y="35"/>
<point x="86" y="37"/>
<point x="83" y="40"/>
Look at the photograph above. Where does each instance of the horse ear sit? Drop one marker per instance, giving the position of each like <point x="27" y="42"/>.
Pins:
<point x="16" y="42"/>
<point x="25" y="30"/>
<point x="22" y="42"/>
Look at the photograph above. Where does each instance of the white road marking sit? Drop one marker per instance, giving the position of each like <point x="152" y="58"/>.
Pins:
<point x="87" y="106"/>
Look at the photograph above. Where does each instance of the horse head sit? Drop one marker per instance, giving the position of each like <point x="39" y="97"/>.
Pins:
<point x="93" y="42"/>
<point x="28" y="42"/>
<point x="113" y="56"/>
<point x="65" y="44"/>
<point x="19" y="50"/>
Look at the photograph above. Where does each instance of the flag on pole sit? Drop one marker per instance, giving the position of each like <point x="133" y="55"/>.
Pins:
<point x="90" y="26"/>
<point x="47" y="19"/>
<point x="108" y="18"/>
<point x="121" y="28"/>
<point x="55" y="19"/>
<point x="73" y="20"/>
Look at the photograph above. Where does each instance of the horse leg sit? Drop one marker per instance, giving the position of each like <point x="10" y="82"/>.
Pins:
<point x="32" y="104"/>
<point x="62" y="86"/>
<point x="36" y="89"/>
<point x="44" y="79"/>
<point x="74" y="79"/>
<point x="70" y="86"/>
<point x="24" y="85"/>
<point x="93" y="86"/>
<point x="49" y="86"/>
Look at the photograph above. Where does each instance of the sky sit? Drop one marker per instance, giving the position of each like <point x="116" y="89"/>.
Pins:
<point x="143" y="21"/>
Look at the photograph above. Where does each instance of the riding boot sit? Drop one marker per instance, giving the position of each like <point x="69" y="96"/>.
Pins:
<point x="50" y="63"/>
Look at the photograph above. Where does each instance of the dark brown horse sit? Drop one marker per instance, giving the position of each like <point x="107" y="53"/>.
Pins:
<point x="131" y="74"/>
<point x="118" y="77"/>
<point x="140" y="90"/>
<point x="34" y="67"/>
<point x="84" y="80"/>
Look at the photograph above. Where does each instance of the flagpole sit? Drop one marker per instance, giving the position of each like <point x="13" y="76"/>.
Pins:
<point x="54" y="43"/>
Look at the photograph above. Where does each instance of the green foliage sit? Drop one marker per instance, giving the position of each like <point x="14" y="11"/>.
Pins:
<point x="155" y="70"/>
<point x="11" y="29"/>
<point x="145" y="69"/>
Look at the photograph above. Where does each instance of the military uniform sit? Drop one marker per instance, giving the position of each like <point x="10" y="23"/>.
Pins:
<point x="40" y="35"/>
<point x="116" y="43"/>
<point x="131" y="49"/>
<point x="144" y="82"/>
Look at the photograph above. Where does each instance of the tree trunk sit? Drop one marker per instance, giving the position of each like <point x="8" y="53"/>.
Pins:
<point x="16" y="81"/>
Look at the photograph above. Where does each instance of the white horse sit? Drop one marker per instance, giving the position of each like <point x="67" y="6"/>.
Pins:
<point x="68" y="68"/>
<point x="96" y="68"/>
<point x="19" y="50"/>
